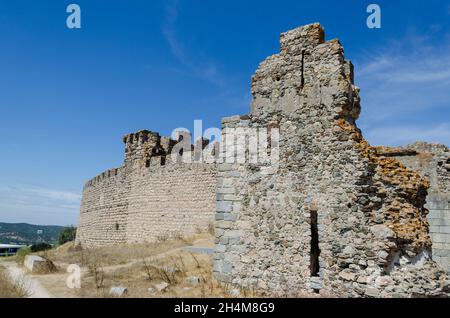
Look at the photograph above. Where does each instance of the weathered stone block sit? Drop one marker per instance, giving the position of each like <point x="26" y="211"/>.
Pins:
<point x="434" y="214"/>
<point x="434" y="229"/>
<point x="220" y="216"/>
<point x="33" y="262"/>
<point x="437" y="205"/>
<point x="440" y="237"/>
<point x="220" y="248"/>
<point x="225" y="191"/>
<point x="118" y="291"/>
<point x="224" y="206"/>
<point x="231" y="197"/>
<point x="230" y="217"/>
<point x="224" y="167"/>
<point x="372" y="292"/>
<point x="224" y="224"/>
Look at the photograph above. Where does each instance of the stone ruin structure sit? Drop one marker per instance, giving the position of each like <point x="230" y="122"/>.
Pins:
<point x="334" y="216"/>
<point x="149" y="198"/>
<point x="338" y="216"/>
<point x="431" y="161"/>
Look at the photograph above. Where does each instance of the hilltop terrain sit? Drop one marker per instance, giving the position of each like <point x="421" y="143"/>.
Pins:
<point x="22" y="233"/>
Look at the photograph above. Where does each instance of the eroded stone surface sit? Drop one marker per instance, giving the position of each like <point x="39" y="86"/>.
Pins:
<point x="371" y="221"/>
<point x="431" y="162"/>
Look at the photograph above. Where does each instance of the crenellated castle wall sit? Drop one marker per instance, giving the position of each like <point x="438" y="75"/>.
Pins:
<point x="104" y="209"/>
<point x="149" y="198"/>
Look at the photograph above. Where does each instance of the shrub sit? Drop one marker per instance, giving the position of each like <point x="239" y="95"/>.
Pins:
<point x="67" y="235"/>
<point x="40" y="247"/>
<point x="96" y="270"/>
<point x="22" y="253"/>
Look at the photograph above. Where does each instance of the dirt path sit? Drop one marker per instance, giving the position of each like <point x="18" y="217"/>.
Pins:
<point x="32" y="285"/>
<point x="202" y="244"/>
<point x="54" y="285"/>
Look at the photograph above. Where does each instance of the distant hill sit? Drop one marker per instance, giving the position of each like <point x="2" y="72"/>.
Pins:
<point x="22" y="233"/>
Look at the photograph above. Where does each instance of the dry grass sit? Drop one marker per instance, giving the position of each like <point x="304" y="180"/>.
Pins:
<point x="9" y="289"/>
<point x="173" y="269"/>
<point x="117" y="254"/>
<point x="139" y="267"/>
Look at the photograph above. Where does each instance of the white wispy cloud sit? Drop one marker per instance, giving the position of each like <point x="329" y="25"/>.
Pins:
<point x="204" y="67"/>
<point x="409" y="68"/>
<point x="63" y="196"/>
<point x="402" y="135"/>
<point x="405" y="90"/>
<point x="23" y="203"/>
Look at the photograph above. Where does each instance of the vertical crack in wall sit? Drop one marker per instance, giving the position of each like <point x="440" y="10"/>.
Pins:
<point x="302" y="83"/>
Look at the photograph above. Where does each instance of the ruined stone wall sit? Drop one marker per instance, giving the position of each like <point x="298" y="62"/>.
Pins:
<point x="432" y="162"/>
<point x="321" y="211"/>
<point x="149" y="198"/>
<point x="335" y="215"/>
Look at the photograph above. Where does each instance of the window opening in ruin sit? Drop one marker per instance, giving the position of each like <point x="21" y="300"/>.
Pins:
<point x="315" y="251"/>
<point x="147" y="163"/>
<point x="269" y="137"/>
<point x="117" y="226"/>
<point x="163" y="160"/>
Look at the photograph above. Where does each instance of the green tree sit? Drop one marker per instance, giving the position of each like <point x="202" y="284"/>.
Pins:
<point x="67" y="235"/>
<point x="40" y="247"/>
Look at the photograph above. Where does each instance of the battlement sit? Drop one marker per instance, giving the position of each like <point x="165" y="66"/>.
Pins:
<point x="140" y="137"/>
<point x="150" y="149"/>
<point x="110" y="173"/>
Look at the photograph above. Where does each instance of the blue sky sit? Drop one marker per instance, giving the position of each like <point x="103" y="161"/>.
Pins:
<point x="67" y="96"/>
